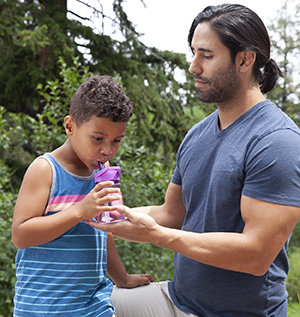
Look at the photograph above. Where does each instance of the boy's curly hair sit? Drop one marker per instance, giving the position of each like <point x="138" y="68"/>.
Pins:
<point x="101" y="96"/>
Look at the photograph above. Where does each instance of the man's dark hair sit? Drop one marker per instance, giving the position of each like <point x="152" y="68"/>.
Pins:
<point x="239" y="29"/>
<point x="100" y="96"/>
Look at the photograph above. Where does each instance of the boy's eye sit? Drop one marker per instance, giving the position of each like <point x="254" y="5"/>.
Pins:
<point x="97" y="138"/>
<point x="117" y="141"/>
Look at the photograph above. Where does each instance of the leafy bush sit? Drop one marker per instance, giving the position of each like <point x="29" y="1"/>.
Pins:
<point x="144" y="180"/>
<point x="293" y="279"/>
<point x="7" y="250"/>
<point x="7" y="201"/>
<point x="295" y="239"/>
<point x="294" y="309"/>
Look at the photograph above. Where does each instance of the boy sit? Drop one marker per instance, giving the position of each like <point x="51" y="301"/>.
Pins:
<point x="61" y="262"/>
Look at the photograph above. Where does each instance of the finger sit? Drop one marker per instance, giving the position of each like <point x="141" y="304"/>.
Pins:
<point x="147" y="279"/>
<point x="151" y="278"/>
<point x="110" y="197"/>
<point x="101" y="185"/>
<point x="98" y="225"/>
<point x="124" y="211"/>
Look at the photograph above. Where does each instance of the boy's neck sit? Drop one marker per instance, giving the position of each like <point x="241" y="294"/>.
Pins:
<point x="70" y="161"/>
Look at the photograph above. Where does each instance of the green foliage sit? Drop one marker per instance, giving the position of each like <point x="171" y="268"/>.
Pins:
<point x="35" y="33"/>
<point x="7" y="249"/>
<point x="140" y="258"/>
<point x="143" y="173"/>
<point x="32" y="36"/>
<point x="293" y="279"/>
<point x="294" y="309"/>
<point x="33" y="136"/>
<point x="285" y="39"/>
<point x="145" y="177"/>
<point x="295" y="239"/>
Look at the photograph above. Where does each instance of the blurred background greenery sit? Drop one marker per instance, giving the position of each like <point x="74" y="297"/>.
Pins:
<point x="41" y="67"/>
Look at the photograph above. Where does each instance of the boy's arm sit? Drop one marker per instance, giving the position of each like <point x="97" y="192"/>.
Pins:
<point x="30" y="227"/>
<point x="117" y="272"/>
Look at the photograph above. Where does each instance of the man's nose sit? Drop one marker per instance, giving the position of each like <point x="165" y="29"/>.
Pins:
<point x="195" y="67"/>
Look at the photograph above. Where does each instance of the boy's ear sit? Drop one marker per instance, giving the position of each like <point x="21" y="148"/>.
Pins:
<point x="246" y="60"/>
<point x="69" y="125"/>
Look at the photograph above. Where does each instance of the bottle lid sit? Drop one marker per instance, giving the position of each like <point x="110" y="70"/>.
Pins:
<point x="111" y="173"/>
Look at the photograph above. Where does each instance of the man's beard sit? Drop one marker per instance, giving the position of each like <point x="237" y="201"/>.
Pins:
<point x="222" y="87"/>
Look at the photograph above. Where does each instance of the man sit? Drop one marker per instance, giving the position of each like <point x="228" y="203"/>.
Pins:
<point x="234" y="198"/>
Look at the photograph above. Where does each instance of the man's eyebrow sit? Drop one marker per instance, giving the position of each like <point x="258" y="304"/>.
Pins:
<point x="206" y="50"/>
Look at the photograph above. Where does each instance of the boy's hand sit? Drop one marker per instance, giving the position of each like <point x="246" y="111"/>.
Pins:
<point x="94" y="202"/>
<point x="134" y="280"/>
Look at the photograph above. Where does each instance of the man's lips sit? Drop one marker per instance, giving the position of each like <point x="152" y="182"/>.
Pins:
<point x="200" y="83"/>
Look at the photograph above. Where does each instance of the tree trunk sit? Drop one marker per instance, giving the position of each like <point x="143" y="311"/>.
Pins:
<point x="51" y="8"/>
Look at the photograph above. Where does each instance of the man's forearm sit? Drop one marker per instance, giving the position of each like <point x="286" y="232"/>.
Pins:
<point x="161" y="216"/>
<point x="230" y="251"/>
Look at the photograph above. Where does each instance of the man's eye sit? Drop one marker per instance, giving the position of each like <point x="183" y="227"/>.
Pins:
<point x="207" y="56"/>
<point x="97" y="138"/>
<point x="117" y="141"/>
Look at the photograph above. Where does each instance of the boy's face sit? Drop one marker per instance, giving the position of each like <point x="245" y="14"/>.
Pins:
<point x="97" y="140"/>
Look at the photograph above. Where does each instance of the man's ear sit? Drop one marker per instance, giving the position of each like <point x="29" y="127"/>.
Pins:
<point x="245" y="60"/>
<point x="69" y="125"/>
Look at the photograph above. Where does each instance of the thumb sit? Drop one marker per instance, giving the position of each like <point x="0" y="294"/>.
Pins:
<point x="124" y="211"/>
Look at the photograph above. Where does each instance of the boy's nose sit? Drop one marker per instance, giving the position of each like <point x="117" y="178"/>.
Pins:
<point x="106" y="150"/>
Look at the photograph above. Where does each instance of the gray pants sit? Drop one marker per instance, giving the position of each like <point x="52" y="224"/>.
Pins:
<point x="145" y="301"/>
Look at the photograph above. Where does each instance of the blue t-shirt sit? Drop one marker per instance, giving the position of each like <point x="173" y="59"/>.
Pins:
<point x="258" y="156"/>
<point x="66" y="276"/>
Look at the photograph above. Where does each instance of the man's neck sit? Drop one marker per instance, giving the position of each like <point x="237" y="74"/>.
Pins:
<point x="230" y="111"/>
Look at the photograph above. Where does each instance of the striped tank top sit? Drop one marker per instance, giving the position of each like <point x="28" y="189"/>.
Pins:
<point x="66" y="276"/>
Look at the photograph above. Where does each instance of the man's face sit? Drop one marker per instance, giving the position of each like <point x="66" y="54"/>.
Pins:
<point x="215" y="75"/>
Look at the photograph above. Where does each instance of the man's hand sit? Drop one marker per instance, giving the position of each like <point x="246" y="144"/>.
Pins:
<point x="136" y="227"/>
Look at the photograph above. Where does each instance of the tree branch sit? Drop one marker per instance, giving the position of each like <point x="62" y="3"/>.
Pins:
<point x="78" y="16"/>
<point x="117" y="22"/>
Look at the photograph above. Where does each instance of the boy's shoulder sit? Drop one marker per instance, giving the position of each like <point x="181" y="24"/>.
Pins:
<point x="39" y="167"/>
<point x="37" y="179"/>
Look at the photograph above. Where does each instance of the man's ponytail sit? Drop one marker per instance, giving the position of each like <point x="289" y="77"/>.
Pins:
<point x="271" y="73"/>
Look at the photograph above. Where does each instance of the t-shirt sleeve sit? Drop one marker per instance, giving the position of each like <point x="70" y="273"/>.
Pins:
<point x="176" y="178"/>
<point x="272" y="169"/>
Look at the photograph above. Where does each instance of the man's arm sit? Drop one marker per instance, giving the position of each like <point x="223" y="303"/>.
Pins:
<point x="171" y="214"/>
<point x="267" y="227"/>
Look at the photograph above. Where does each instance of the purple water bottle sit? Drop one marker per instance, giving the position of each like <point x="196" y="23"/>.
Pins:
<point x="111" y="173"/>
